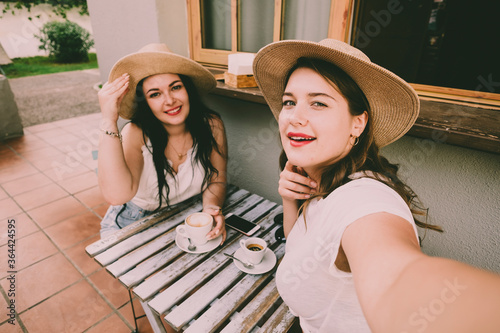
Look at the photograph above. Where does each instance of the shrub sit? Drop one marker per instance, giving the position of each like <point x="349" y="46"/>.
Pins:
<point x="66" y="41"/>
<point x="59" y="7"/>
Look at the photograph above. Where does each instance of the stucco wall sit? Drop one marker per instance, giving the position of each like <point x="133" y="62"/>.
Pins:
<point x="17" y="30"/>
<point x="120" y="28"/>
<point x="254" y="145"/>
<point x="123" y="27"/>
<point x="460" y="186"/>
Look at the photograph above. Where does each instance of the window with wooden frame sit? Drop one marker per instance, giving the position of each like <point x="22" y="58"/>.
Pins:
<point x="444" y="48"/>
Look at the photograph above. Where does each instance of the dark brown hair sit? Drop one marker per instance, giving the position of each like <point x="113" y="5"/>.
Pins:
<point x="365" y="155"/>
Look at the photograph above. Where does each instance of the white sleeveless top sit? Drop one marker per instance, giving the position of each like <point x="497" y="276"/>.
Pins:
<point x="184" y="184"/>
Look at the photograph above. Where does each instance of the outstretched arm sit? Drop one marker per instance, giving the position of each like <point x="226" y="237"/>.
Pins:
<point x="403" y="290"/>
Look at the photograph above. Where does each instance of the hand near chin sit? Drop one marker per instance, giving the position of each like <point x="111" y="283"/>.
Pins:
<point x="294" y="183"/>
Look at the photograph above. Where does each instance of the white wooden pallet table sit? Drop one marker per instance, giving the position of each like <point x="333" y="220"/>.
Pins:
<point x="202" y="292"/>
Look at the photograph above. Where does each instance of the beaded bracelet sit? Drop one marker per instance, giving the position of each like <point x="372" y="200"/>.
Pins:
<point x="113" y="134"/>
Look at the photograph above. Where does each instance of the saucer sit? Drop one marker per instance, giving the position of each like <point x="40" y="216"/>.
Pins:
<point x="265" y="265"/>
<point x="182" y="242"/>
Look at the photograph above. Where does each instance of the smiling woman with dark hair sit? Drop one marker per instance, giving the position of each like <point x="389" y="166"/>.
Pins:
<point x="174" y="146"/>
<point x="353" y="261"/>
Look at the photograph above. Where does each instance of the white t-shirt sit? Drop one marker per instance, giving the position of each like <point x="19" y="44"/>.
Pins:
<point x="183" y="185"/>
<point x="322" y="296"/>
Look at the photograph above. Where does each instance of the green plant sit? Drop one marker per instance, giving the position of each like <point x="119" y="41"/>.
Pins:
<point x="60" y="7"/>
<point x="66" y="41"/>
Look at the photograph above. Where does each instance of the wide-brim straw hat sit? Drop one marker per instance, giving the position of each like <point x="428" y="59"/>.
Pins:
<point x="393" y="102"/>
<point x="157" y="59"/>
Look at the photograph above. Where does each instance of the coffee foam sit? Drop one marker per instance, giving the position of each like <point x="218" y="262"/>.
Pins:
<point x="198" y="220"/>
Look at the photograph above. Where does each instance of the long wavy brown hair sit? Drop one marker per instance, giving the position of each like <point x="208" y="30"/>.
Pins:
<point x="365" y="155"/>
<point x="197" y="123"/>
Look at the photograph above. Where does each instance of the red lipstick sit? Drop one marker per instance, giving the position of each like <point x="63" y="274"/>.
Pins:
<point x="171" y="112"/>
<point x="299" y="139"/>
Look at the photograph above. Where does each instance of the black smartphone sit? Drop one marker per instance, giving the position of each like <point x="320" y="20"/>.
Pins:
<point x="240" y="224"/>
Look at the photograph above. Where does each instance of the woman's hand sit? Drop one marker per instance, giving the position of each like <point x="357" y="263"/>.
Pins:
<point x="111" y="95"/>
<point x="294" y="184"/>
<point x="220" y="222"/>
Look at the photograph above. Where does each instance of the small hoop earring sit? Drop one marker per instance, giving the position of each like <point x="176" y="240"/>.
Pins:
<point x="356" y="140"/>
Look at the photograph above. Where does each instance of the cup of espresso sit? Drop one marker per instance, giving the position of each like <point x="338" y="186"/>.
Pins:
<point x="196" y="227"/>
<point x="254" y="249"/>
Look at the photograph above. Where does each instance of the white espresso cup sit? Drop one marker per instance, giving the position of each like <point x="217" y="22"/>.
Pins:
<point x="254" y="249"/>
<point x="196" y="227"/>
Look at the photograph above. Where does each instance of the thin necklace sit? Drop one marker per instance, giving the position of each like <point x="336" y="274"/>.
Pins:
<point x="178" y="154"/>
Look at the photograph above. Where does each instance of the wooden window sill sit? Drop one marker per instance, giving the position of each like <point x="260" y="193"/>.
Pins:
<point x="470" y="127"/>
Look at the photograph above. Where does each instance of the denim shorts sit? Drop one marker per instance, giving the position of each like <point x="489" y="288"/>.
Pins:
<point x="120" y="216"/>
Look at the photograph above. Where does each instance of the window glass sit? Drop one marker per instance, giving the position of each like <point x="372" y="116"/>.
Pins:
<point x="447" y="43"/>
<point x="306" y="19"/>
<point x="255" y="18"/>
<point x="216" y="24"/>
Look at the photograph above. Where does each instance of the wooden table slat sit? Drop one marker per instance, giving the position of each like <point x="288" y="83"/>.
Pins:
<point x="143" y="224"/>
<point x="248" y="317"/>
<point x="262" y="209"/>
<point x="166" y="299"/>
<point x="235" y="197"/>
<point x="143" y="237"/>
<point x="245" y="205"/>
<point x="149" y="288"/>
<point x="232" y="192"/>
<point x="138" y="274"/>
<point x="192" y="306"/>
<point x="203" y="292"/>
<point x="162" y="278"/>
<point x="186" y="311"/>
<point x="129" y="261"/>
<point x="227" y="304"/>
<point x="223" y="307"/>
<point x="281" y="321"/>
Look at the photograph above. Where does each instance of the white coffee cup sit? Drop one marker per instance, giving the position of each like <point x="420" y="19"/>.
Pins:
<point x="254" y="249"/>
<point x="196" y="227"/>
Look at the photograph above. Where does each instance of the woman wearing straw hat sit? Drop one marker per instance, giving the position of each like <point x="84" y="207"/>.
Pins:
<point x="174" y="147"/>
<point x="353" y="261"/>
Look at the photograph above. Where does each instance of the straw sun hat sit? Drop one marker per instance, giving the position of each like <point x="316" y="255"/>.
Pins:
<point x="393" y="102"/>
<point x="157" y="59"/>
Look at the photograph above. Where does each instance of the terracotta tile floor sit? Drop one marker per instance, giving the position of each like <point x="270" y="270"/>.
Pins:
<point x="48" y="186"/>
